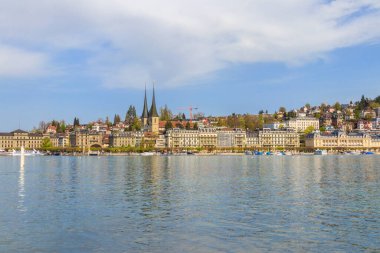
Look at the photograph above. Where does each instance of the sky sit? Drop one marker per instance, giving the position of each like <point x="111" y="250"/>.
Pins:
<point x="92" y="58"/>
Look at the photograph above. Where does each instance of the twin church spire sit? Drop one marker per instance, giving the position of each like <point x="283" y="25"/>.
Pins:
<point x="150" y="118"/>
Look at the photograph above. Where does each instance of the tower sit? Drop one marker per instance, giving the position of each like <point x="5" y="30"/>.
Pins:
<point x="145" y="114"/>
<point x="153" y="120"/>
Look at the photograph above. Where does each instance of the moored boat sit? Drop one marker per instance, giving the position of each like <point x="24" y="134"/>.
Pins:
<point x="320" y="152"/>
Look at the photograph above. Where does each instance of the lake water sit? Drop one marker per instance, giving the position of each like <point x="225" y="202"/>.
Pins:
<point x="190" y="204"/>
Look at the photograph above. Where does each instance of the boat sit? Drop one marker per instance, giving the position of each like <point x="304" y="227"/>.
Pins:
<point x="269" y="153"/>
<point x="258" y="153"/>
<point x="280" y="153"/>
<point x="320" y="152"/>
<point x="368" y="153"/>
<point x="190" y="153"/>
<point x="24" y="152"/>
<point x="147" y="154"/>
<point x="94" y="153"/>
<point x="352" y="153"/>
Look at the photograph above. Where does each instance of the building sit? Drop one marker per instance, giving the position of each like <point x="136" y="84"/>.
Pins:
<point x="86" y="139"/>
<point x="208" y="137"/>
<point x="227" y="138"/>
<point x="274" y="125"/>
<point x="364" y="125"/>
<point x="19" y="138"/>
<point x="123" y="139"/>
<point x="160" y="142"/>
<point x="267" y="138"/>
<point x="182" y="138"/>
<point x="60" y="140"/>
<point x="339" y="139"/>
<point x="150" y="119"/>
<point x="300" y="124"/>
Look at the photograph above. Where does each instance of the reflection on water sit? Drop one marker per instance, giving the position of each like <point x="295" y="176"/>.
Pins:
<point x="190" y="204"/>
<point x="21" y="185"/>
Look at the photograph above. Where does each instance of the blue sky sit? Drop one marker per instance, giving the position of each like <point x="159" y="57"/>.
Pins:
<point x="91" y="59"/>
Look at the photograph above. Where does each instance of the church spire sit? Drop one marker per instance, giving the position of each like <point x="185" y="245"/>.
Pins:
<point x="145" y="110"/>
<point x="153" y="109"/>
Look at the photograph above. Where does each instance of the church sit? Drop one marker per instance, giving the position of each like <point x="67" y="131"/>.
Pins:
<point x="150" y="119"/>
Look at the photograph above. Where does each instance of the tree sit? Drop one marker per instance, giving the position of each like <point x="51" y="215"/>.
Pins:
<point x="374" y="105"/>
<point x="195" y="126"/>
<point x="322" y="129"/>
<point x="46" y="143"/>
<point x="377" y="99"/>
<point x="323" y="107"/>
<point x="165" y="113"/>
<point x="179" y="125"/>
<point x="135" y="126"/>
<point x="307" y="105"/>
<point x="309" y="130"/>
<point x="130" y="115"/>
<point x="116" y="119"/>
<point x="221" y="122"/>
<point x="337" y="106"/>
<point x="42" y="126"/>
<point x="357" y="114"/>
<point x="292" y="114"/>
<point x="108" y="122"/>
<point x="187" y="125"/>
<point x="168" y="125"/>
<point x="364" y="103"/>
<point x="282" y="109"/>
<point x="62" y="127"/>
<point x="198" y="115"/>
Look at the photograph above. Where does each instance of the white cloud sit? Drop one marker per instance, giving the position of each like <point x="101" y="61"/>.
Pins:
<point x="175" y="42"/>
<point x="16" y="62"/>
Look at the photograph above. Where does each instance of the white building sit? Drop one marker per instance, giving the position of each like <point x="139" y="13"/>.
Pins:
<point x="267" y="138"/>
<point x="301" y="123"/>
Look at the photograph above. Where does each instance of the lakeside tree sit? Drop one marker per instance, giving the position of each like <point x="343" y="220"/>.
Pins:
<point x="46" y="143"/>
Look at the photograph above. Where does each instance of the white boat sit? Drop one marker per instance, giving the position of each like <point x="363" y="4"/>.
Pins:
<point x="24" y="152"/>
<point x="352" y="153"/>
<point x="320" y="152"/>
<point x="147" y="153"/>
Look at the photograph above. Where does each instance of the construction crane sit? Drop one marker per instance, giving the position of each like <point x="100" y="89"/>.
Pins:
<point x="190" y="109"/>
